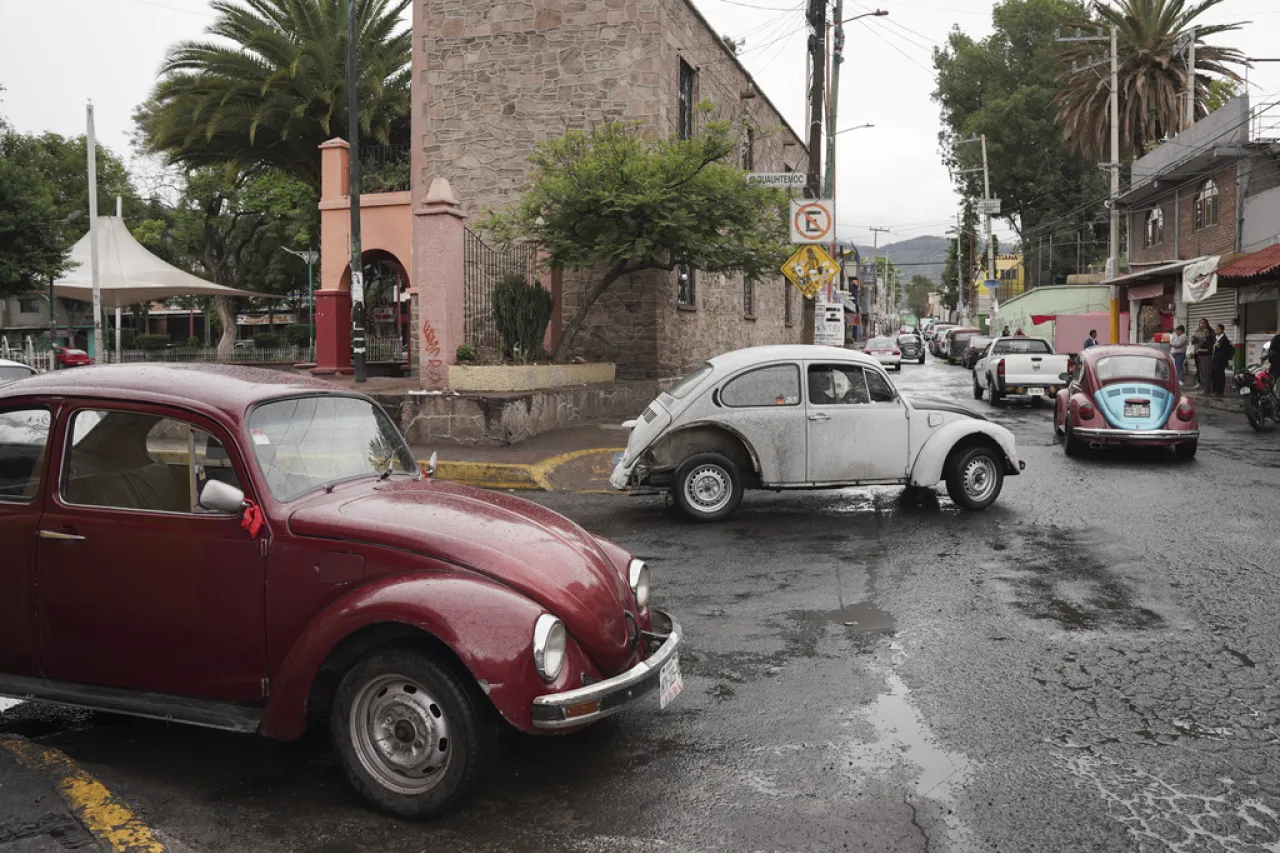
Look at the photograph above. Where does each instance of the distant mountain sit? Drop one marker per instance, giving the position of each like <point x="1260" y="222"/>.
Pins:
<point x="926" y="256"/>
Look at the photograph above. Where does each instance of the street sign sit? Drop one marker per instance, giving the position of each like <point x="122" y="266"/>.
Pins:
<point x="828" y="326"/>
<point x="809" y="269"/>
<point x="989" y="206"/>
<point x="777" y="179"/>
<point x="991" y="284"/>
<point x="812" y="221"/>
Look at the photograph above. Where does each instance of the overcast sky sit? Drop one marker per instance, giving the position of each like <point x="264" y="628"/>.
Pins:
<point x="890" y="175"/>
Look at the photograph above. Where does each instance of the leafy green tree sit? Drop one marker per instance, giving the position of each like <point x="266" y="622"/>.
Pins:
<point x="272" y="86"/>
<point x="918" y="294"/>
<point x="964" y="257"/>
<point x="32" y="248"/>
<point x="1004" y="86"/>
<point x="611" y="201"/>
<point x="1218" y="92"/>
<point x="1153" y="75"/>
<point x="63" y="163"/>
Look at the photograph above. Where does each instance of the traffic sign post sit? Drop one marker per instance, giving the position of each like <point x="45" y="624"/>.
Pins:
<point x="813" y="222"/>
<point x="810" y="269"/>
<point x="989" y="206"/>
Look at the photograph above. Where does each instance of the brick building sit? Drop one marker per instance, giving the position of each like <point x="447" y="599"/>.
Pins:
<point x="1212" y="190"/>
<point x="492" y="79"/>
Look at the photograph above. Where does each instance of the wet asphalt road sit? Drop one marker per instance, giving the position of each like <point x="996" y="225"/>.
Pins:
<point x="1090" y="665"/>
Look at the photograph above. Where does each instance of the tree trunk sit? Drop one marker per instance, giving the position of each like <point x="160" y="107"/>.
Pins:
<point x="227" y="343"/>
<point x="580" y="316"/>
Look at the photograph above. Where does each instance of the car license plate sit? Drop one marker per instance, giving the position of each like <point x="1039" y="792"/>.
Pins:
<point x="1035" y="392"/>
<point x="617" y="458"/>
<point x="1244" y="392"/>
<point x="669" y="682"/>
<point x="1137" y="410"/>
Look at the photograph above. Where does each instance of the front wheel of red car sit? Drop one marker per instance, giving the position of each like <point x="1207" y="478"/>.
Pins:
<point x="413" y="737"/>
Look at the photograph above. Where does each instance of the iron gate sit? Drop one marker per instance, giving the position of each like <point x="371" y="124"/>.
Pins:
<point x="483" y="267"/>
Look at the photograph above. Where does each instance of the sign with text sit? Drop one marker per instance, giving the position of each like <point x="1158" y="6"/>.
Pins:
<point x="989" y="206"/>
<point x="828" y="326"/>
<point x="786" y="180"/>
<point x="810" y="269"/>
<point x="813" y="222"/>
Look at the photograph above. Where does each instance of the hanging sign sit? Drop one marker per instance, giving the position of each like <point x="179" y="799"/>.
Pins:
<point x="809" y="269"/>
<point x="812" y="221"/>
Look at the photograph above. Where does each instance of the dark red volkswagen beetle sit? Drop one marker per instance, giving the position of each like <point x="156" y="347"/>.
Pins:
<point x="1125" y="395"/>
<point x="248" y="550"/>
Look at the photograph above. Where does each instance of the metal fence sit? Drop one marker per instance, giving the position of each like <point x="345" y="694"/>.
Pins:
<point x="483" y="268"/>
<point x="209" y="355"/>
<point x="40" y="359"/>
<point x="385" y="169"/>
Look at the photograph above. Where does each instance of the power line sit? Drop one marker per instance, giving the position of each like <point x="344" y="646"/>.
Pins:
<point x="909" y="58"/>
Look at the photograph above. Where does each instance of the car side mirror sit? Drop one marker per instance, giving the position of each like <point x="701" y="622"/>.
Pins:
<point x="221" y="497"/>
<point x="432" y="463"/>
<point x="1065" y="377"/>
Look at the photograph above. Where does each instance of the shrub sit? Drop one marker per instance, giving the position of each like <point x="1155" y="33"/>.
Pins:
<point x="467" y="354"/>
<point x="522" y="312"/>
<point x="128" y="339"/>
<point x="267" y="340"/>
<point x="194" y="343"/>
<point x="298" y="334"/>
<point x="152" y="343"/>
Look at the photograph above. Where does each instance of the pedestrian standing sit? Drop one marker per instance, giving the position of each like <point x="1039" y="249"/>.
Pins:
<point x="1178" y="349"/>
<point x="1204" y="353"/>
<point x="1004" y="333"/>
<point x="1092" y="340"/>
<point x="1223" y="351"/>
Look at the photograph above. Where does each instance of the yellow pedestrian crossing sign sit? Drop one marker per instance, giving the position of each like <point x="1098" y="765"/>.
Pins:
<point x="810" y="269"/>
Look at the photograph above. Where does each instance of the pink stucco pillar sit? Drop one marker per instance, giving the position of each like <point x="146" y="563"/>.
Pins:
<point x="333" y="332"/>
<point x="438" y="234"/>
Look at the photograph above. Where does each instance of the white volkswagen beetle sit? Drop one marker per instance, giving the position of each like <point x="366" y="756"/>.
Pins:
<point x="805" y="417"/>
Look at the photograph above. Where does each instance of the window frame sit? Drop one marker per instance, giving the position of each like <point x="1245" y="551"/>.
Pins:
<point x="192" y="419"/>
<point x="1155" y="227"/>
<point x="686" y="87"/>
<point x="840" y="366"/>
<point x="52" y="409"/>
<point x="748" y="298"/>
<point x="32" y="300"/>
<point x="800" y="390"/>
<point x="1207" y="203"/>
<point x="687" y="301"/>
<point x="749" y="149"/>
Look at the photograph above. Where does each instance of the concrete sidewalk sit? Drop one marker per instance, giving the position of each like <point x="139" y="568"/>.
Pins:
<point x="577" y="459"/>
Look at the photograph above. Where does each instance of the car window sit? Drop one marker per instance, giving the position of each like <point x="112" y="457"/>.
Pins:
<point x="689" y="382"/>
<point x="837" y="385"/>
<point x="24" y="434"/>
<point x="1132" y="367"/>
<point x="879" y="387"/>
<point x="141" y="461"/>
<point x="778" y="385"/>
<point x="1023" y="346"/>
<point x="879" y="343"/>
<point x="13" y="372"/>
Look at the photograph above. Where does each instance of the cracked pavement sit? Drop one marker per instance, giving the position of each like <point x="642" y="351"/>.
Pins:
<point x="1090" y="665"/>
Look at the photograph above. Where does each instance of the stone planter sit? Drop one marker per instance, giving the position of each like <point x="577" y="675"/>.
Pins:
<point x="497" y="378"/>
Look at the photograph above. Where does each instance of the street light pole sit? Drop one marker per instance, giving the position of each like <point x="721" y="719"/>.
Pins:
<point x="53" y="311"/>
<point x="310" y="256"/>
<point x="353" y="139"/>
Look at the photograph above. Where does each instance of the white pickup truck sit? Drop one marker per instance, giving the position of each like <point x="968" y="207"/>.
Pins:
<point x="1019" y="367"/>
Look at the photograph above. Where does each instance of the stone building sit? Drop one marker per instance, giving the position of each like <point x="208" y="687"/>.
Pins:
<point x="492" y="79"/>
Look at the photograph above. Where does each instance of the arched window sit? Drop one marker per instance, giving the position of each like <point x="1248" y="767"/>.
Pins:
<point x="1207" y="205"/>
<point x="1155" y="227"/>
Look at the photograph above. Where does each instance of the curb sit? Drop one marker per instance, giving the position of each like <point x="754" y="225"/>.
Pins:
<point x="111" y="822"/>
<point x="534" y="476"/>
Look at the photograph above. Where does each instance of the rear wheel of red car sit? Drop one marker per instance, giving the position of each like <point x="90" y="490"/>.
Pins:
<point x="1186" y="450"/>
<point x="708" y="487"/>
<point x="1072" y="445"/>
<point x="413" y="737"/>
<point x="975" y="477"/>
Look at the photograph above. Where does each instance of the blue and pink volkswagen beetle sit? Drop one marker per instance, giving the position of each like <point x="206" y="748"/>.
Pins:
<point x="1125" y="395"/>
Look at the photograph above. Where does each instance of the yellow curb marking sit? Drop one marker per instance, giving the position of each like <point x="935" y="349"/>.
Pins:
<point x="110" y="821"/>
<point x="511" y="475"/>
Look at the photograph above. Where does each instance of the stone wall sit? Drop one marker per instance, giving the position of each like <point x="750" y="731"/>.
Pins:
<point x="502" y="419"/>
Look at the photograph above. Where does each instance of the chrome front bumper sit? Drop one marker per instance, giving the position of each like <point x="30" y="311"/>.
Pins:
<point x="1168" y="435"/>
<point x="575" y="708"/>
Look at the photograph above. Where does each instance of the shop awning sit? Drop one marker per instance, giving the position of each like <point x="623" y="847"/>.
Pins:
<point x="1171" y="270"/>
<point x="1258" y="263"/>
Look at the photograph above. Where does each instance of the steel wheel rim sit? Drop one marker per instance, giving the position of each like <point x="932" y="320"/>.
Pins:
<point x="400" y="734"/>
<point x="980" y="478"/>
<point x="708" y="488"/>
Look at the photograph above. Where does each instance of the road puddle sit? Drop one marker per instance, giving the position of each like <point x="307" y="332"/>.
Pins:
<point x="863" y="616"/>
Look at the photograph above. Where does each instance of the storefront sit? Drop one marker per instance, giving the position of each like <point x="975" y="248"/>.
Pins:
<point x="1254" y="281"/>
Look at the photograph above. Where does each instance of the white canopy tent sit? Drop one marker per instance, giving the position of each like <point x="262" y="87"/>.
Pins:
<point x="128" y="274"/>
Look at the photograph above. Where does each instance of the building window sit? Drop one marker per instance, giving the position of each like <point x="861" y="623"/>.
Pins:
<point x="684" y="285"/>
<point x="686" y="100"/>
<point x="1207" y="205"/>
<point x="748" y="297"/>
<point x="749" y="150"/>
<point x="1155" y="227"/>
<point x="786" y="303"/>
<point x="27" y="305"/>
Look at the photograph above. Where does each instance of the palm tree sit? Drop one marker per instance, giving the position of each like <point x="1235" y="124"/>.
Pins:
<point x="1153" y="75"/>
<point x="272" y="87"/>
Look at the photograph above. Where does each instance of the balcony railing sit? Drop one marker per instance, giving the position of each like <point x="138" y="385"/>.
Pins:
<point x="385" y="169"/>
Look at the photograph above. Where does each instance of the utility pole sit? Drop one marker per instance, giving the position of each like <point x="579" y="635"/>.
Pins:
<point x="875" y="271"/>
<point x="91" y="142"/>
<point x="986" y="190"/>
<point x="959" y="257"/>
<point x="817" y="18"/>
<point x="357" y="256"/>
<point x="1189" y="97"/>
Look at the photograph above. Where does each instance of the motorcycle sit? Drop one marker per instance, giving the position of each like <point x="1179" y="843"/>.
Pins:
<point x="1258" y="389"/>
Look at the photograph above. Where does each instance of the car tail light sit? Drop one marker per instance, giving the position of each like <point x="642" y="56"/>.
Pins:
<point x="1086" y="411"/>
<point x="1186" y="411"/>
<point x="1000" y="371"/>
<point x="895" y="352"/>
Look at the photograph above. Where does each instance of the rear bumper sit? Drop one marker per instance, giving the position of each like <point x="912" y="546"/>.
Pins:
<point x="575" y="708"/>
<point x="1019" y="388"/>
<point x="1137" y="436"/>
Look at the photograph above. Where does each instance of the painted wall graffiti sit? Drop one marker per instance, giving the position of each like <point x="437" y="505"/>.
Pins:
<point x="430" y="343"/>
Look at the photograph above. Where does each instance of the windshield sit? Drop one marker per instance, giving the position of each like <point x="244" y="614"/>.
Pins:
<point x="305" y="443"/>
<point x="1132" y="367"/>
<point x="908" y="339"/>
<point x="11" y="372"/>
<point x="880" y="343"/>
<point x="1023" y="346"/>
<point x="684" y="386"/>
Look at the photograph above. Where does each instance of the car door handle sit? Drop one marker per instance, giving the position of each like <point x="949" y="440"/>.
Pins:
<point x="819" y="417"/>
<point x="60" y="537"/>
